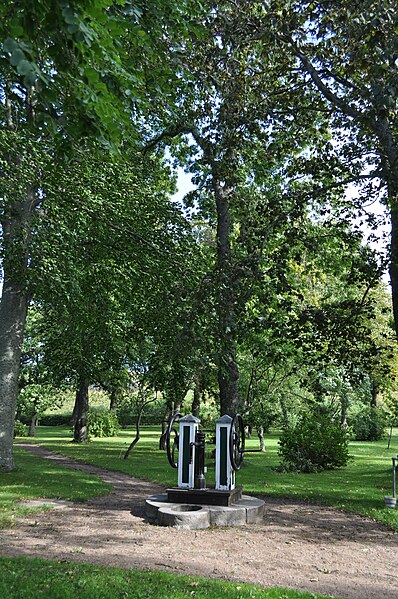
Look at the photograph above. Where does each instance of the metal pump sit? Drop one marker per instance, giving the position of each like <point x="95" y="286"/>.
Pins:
<point x="190" y="443"/>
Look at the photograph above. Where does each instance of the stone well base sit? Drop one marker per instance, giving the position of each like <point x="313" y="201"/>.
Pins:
<point x="247" y="510"/>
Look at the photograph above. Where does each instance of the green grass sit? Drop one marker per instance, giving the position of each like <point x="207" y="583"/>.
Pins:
<point x="36" y="478"/>
<point x="360" y="487"/>
<point x="22" y="578"/>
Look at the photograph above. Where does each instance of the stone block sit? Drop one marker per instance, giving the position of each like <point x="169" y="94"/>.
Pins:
<point x="227" y="516"/>
<point x="190" y="517"/>
<point x="254" y="509"/>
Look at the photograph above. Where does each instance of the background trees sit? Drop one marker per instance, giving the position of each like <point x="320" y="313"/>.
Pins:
<point x="66" y="69"/>
<point x="348" y="57"/>
<point x="262" y="271"/>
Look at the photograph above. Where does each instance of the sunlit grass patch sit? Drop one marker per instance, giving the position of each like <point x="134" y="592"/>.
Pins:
<point x="22" y="578"/>
<point x="35" y="478"/>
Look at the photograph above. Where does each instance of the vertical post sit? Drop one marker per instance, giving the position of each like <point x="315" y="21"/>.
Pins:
<point x="186" y="453"/>
<point x="394" y="484"/>
<point x="225" y="475"/>
<point x="200" y="480"/>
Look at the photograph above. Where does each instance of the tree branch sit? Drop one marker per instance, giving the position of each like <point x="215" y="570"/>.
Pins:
<point x="323" y="88"/>
<point x="173" y="131"/>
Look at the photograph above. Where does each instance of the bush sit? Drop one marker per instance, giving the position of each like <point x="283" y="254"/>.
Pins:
<point x="315" y="443"/>
<point x="20" y="430"/>
<point x="55" y="419"/>
<point x="102" y="423"/>
<point x="368" y="424"/>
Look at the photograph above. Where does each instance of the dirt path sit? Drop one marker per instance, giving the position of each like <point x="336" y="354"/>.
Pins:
<point x="297" y="546"/>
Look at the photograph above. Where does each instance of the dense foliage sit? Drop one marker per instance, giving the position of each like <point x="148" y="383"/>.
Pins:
<point x="102" y="423"/>
<point x="257" y="292"/>
<point x="315" y="443"/>
<point x="369" y="424"/>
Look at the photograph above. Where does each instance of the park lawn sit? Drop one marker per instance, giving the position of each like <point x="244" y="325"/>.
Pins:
<point x="36" y="478"/>
<point x="22" y="578"/>
<point x="359" y="487"/>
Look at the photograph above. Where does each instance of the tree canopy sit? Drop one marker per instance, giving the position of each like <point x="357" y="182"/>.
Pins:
<point x="261" y="277"/>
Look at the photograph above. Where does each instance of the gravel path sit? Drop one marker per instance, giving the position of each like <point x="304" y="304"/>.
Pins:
<point x="297" y="546"/>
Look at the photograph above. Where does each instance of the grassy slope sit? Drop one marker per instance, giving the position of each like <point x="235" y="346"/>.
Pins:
<point x="359" y="487"/>
<point x="21" y="578"/>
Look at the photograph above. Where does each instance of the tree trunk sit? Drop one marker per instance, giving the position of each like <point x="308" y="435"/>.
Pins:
<point x="228" y="384"/>
<point x="73" y="418"/>
<point x="226" y="306"/>
<point x="196" y="399"/>
<point x="13" y="309"/>
<point x="16" y="224"/>
<point x="115" y="394"/>
<point x="32" y="425"/>
<point x="374" y="391"/>
<point x="260" y="433"/>
<point x="81" y="431"/>
<point x="228" y="277"/>
<point x="344" y="408"/>
<point x="137" y="427"/>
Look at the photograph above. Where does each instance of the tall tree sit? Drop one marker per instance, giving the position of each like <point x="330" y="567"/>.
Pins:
<point x="347" y="54"/>
<point x="248" y="152"/>
<point x="66" y="68"/>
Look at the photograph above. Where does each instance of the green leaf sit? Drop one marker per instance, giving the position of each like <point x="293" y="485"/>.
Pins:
<point x="17" y="57"/>
<point x="10" y="45"/>
<point x="69" y="16"/>
<point x="17" y="30"/>
<point x="91" y="74"/>
<point x="73" y="28"/>
<point x="24" y="67"/>
<point x="30" y="79"/>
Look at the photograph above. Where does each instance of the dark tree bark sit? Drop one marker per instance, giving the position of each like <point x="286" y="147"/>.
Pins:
<point x="80" y="430"/>
<point x="228" y="374"/>
<point x="137" y="426"/>
<point x="165" y="424"/>
<point x="374" y="391"/>
<point x="196" y="398"/>
<point x="115" y="394"/>
<point x="73" y="419"/>
<point x="344" y="408"/>
<point x="13" y="309"/>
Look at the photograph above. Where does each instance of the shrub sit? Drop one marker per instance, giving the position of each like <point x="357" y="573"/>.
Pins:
<point x="368" y="424"/>
<point x="20" y="430"/>
<point x="102" y="423"/>
<point x="55" y="419"/>
<point x="315" y="443"/>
